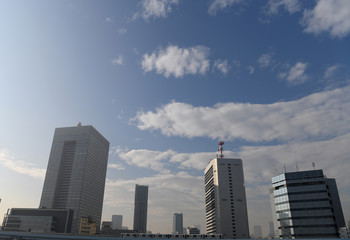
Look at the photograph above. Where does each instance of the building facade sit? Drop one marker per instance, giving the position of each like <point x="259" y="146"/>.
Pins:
<point x="178" y="223"/>
<point x="38" y="220"/>
<point x="117" y="221"/>
<point x="306" y="205"/>
<point x="225" y="198"/>
<point x="76" y="173"/>
<point x="140" y="208"/>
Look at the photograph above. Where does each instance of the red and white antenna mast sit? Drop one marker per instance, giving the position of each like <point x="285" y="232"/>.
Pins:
<point x="220" y="149"/>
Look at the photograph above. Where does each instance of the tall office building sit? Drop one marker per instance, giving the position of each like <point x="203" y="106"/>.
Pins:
<point x="257" y="231"/>
<point x="76" y="173"/>
<point x="117" y="221"/>
<point x="225" y="198"/>
<point x="306" y="205"/>
<point x="178" y="223"/>
<point x="140" y="208"/>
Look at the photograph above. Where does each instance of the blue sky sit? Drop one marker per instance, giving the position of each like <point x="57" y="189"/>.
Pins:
<point x="164" y="81"/>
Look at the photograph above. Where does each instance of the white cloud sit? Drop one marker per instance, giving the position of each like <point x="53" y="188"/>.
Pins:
<point x="265" y="60"/>
<point x="118" y="61"/>
<point x="272" y="7"/>
<point x="313" y="116"/>
<point x="21" y="167"/>
<point x="151" y="9"/>
<point x="109" y="20"/>
<point x="154" y="160"/>
<point x="222" y="66"/>
<point x="116" y="166"/>
<point x="296" y="74"/>
<point x="177" y="61"/>
<point x="332" y="16"/>
<point x="330" y="71"/>
<point x="251" y="69"/>
<point x="121" y="31"/>
<point x="219" y="5"/>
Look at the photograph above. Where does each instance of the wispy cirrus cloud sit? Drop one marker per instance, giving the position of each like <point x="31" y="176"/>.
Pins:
<point x="296" y="74"/>
<point x="116" y="166"/>
<point x="330" y="71"/>
<point x="152" y="9"/>
<point x="220" y="5"/>
<point x="266" y="60"/>
<point x="291" y="6"/>
<point x="328" y="16"/>
<point x="118" y="60"/>
<point x="177" y="61"/>
<point x="312" y="116"/>
<point x="222" y="66"/>
<point x="21" y="167"/>
<point x="122" y="31"/>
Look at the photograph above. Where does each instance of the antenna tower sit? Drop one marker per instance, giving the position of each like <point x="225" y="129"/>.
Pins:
<point x="220" y="149"/>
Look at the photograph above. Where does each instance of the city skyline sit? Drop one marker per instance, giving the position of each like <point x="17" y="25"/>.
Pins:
<point x="164" y="81"/>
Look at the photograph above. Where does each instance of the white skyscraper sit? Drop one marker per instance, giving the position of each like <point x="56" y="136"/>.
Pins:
<point x="117" y="221"/>
<point x="225" y="198"/>
<point x="76" y="173"/>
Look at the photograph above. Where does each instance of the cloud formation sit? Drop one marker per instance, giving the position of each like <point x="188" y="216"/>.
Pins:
<point x="20" y="167"/>
<point x="118" y="60"/>
<point x="330" y="16"/>
<point x="330" y="71"/>
<point x="222" y="66"/>
<point x="291" y="6"/>
<point x="265" y="60"/>
<point x="122" y="31"/>
<point x="296" y="74"/>
<point x="219" y="5"/>
<point x="177" y="61"/>
<point x="313" y="116"/>
<point x="151" y="9"/>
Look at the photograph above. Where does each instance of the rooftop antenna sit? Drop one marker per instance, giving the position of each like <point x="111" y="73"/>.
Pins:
<point x="220" y="149"/>
<point x="296" y="164"/>
<point x="285" y="169"/>
<point x="79" y="124"/>
<point x="313" y="165"/>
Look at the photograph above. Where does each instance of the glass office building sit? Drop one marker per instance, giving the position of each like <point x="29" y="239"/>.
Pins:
<point x="140" y="208"/>
<point x="306" y="205"/>
<point x="76" y="173"/>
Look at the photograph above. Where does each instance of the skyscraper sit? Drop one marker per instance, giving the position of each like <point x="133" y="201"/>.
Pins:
<point x="76" y="173"/>
<point x="225" y="198"/>
<point x="117" y="221"/>
<point x="306" y="205"/>
<point x="178" y="223"/>
<point x="257" y="231"/>
<point x="140" y="208"/>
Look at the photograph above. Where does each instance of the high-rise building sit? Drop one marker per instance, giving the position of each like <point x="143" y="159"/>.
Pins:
<point x="225" y="198"/>
<point x="117" y="221"/>
<point x="271" y="229"/>
<point x="257" y="231"/>
<point x="306" y="205"/>
<point x="140" y="208"/>
<point x="76" y="173"/>
<point x="178" y="223"/>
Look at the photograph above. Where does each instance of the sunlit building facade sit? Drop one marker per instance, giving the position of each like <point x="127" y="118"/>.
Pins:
<point x="225" y="198"/>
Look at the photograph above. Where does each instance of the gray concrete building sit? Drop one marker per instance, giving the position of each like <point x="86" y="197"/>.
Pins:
<point x="117" y="221"/>
<point x="306" y="204"/>
<point x="225" y="198"/>
<point x="140" y="208"/>
<point x="178" y="223"/>
<point x="76" y="173"/>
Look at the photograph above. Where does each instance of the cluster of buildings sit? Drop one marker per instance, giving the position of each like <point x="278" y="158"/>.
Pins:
<point x="304" y="204"/>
